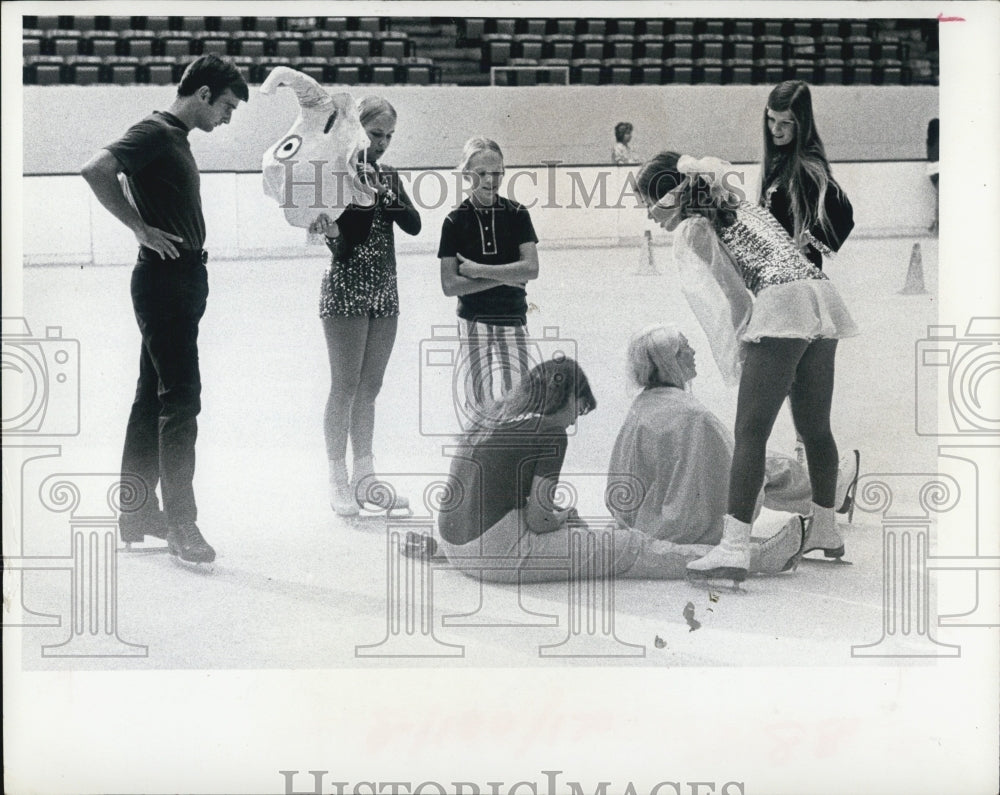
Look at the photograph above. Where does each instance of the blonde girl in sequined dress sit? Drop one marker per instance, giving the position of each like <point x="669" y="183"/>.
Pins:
<point x="359" y="307"/>
<point x="773" y="320"/>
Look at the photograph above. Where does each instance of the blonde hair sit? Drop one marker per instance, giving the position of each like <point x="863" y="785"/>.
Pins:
<point x="475" y="146"/>
<point x="652" y="357"/>
<point x="371" y="106"/>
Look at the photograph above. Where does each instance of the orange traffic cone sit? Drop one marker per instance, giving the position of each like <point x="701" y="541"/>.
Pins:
<point x="915" y="274"/>
<point x="647" y="262"/>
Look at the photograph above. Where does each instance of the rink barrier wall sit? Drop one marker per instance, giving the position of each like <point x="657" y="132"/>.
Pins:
<point x="566" y="206"/>
<point x="568" y="124"/>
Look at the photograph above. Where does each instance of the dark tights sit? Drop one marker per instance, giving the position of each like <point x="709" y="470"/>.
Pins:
<point x="774" y="369"/>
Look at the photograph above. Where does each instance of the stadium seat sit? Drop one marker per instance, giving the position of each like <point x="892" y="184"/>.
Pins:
<point x="251" y="43"/>
<point x="769" y="70"/>
<point x="800" y="69"/>
<point x="417" y="71"/>
<point x="496" y="49"/>
<point x="739" y="71"/>
<point x="855" y="28"/>
<point x="229" y="24"/>
<point x="101" y="43"/>
<point x="618" y="71"/>
<point x="84" y="24"/>
<point x="888" y="48"/>
<point x="648" y="71"/>
<point x="321" y="43"/>
<point x="553" y="71"/>
<point x="43" y="70"/>
<point x="739" y="45"/>
<point x="533" y="27"/>
<point x="654" y="27"/>
<point x="136" y="43"/>
<point x="592" y="27"/>
<point x="470" y="31"/>
<point x="683" y="27"/>
<point x="348" y="69"/>
<point x="176" y="44"/>
<point x="265" y="24"/>
<point x="369" y="24"/>
<point x="382" y="70"/>
<point x="335" y="24"/>
<point x="558" y="45"/>
<point x="860" y="71"/>
<point x="392" y="44"/>
<point x="830" y="46"/>
<point x="563" y="27"/>
<point x="589" y="45"/>
<point x="680" y="45"/>
<point x="858" y="47"/>
<point x="213" y="44"/>
<point x="64" y="42"/>
<point x="714" y="27"/>
<point x="801" y="28"/>
<point x="743" y="27"/>
<point x="832" y="70"/>
<point x="155" y="24"/>
<point x="84" y="70"/>
<point x="529" y="45"/>
<point x="770" y="47"/>
<point x="620" y="45"/>
<point x="651" y="46"/>
<point x="624" y="27"/>
<point x="586" y="71"/>
<point x="801" y="47"/>
<point x="357" y="43"/>
<point x="193" y="24"/>
<point x="31" y="47"/>
<point x="710" y="45"/>
<point x="158" y="70"/>
<point x="708" y="70"/>
<point x="679" y="70"/>
<point x="888" y="72"/>
<point x="312" y="66"/>
<point x="506" y="26"/>
<point x="771" y="27"/>
<point x="122" y="70"/>
<point x="829" y="28"/>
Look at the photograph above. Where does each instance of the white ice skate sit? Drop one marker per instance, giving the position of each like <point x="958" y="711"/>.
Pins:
<point x="376" y="498"/>
<point x="780" y="552"/>
<point x="730" y="560"/>
<point x="822" y="534"/>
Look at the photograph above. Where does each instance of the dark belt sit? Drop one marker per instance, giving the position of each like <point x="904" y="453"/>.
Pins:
<point x="189" y="255"/>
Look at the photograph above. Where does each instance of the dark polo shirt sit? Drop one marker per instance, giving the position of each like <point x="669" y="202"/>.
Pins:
<point x="162" y="176"/>
<point x="489" y="236"/>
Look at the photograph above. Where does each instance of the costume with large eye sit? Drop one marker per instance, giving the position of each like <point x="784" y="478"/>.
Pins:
<point x="327" y="131"/>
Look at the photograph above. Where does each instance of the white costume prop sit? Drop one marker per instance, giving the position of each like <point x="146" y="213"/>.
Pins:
<point x="313" y="168"/>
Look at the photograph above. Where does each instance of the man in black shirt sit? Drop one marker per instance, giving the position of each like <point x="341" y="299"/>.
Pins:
<point x="160" y="201"/>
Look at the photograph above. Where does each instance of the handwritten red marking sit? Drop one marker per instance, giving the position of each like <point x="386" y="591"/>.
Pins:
<point x="943" y="18"/>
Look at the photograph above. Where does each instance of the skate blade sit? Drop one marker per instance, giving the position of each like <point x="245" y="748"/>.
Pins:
<point x="131" y="549"/>
<point x="372" y="511"/>
<point x="833" y="557"/>
<point x="194" y="566"/>
<point x="721" y="573"/>
<point x="713" y="585"/>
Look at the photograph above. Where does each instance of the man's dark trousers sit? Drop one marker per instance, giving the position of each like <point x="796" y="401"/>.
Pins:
<point x="168" y="296"/>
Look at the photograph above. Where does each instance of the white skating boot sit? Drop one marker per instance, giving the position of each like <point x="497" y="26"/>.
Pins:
<point x="781" y="551"/>
<point x="730" y="559"/>
<point x="373" y="494"/>
<point x="823" y="534"/>
<point x="341" y="496"/>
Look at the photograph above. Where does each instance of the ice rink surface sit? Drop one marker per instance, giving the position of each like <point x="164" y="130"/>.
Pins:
<point x="296" y="587"/>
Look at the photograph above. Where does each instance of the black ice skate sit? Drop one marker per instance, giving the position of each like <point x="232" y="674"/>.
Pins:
<point x="187" y="543"/>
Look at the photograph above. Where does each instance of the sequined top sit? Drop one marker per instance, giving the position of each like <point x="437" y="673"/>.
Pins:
<point x="763" y="250"/>
<point x="361" y="279"/>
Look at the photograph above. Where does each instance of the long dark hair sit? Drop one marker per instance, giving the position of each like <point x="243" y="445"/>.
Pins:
<point x="659" y="175"/>
<point x="802" y="165"/>
<point x="546" y="389"/>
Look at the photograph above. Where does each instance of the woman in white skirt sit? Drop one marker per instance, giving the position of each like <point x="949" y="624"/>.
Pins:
<point x="782" y="341"/>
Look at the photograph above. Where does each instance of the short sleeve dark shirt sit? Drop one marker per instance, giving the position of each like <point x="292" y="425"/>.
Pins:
<point x="494" y="476"/>
<point x="491" y="236"/>
<point x="162" y="176"/>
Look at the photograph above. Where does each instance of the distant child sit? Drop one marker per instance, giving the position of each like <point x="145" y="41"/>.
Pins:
<point x="487" y="255"/>
<point x="621" y="153"/>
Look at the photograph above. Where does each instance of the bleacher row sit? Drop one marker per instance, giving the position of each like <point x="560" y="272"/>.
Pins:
<point x="84" y="50"/>
<point x="524" y="52"/>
